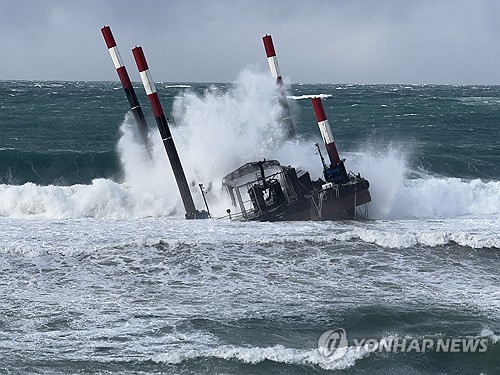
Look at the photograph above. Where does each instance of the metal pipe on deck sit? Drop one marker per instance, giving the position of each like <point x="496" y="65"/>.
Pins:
<point x="275" y="71"/>
<point x="166" y="136"/>
<point x="127" y="87"/>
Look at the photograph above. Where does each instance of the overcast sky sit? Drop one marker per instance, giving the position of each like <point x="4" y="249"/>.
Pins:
<point x="331" y="41"/>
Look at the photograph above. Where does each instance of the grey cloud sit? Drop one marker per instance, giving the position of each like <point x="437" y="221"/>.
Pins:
<point x="440" y="41"/>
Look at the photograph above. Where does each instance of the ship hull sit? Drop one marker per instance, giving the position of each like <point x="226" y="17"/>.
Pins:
<point x="330" y="204"/>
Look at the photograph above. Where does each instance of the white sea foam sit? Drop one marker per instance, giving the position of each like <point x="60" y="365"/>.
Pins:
<point x="180" y="86"/>
<point x="254" y="355"/>
<point x="395" y="195"/>
<point x="488" y="333"/>
<point x="300" y="97"/>
<point x="217" y="132"/>
<point x="102" y="199"/>
<point x="411" y="233"/>
<point x="220" y="130"/>
<point x="256" y="273"/>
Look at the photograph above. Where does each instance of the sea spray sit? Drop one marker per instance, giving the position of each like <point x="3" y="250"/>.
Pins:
<point x="114" y="290"/>
<point x="220" y="129"/>
<point x="398" y="192"/>
<point x="386" y="170"/>
<point x="215" y="133"/>
<point x="145" y="178"/>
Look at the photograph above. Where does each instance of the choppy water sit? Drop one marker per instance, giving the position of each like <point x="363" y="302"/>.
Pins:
<point x="100" y="273"/>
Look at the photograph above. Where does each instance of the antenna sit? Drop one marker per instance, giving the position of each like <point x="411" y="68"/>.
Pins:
<point x="321" y="156"/>
<point x="204" y="199"/>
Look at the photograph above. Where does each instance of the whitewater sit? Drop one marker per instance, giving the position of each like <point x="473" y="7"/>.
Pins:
<point x="220" y="130"/>
<point x="103" y="274"/>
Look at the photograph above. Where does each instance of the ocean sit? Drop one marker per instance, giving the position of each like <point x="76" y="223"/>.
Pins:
<point x="100" y="273"/>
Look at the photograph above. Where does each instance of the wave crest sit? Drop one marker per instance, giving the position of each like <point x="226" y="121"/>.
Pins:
<point x="277" y="353"/>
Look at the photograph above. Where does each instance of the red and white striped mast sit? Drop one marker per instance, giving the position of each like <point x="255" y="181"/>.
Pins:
<point x="326" y="131"/>
<point x="127" y="87"/>
<point x="166" y="136"/>
<point x="275" y="71"/>
<point x="336" y="171"/>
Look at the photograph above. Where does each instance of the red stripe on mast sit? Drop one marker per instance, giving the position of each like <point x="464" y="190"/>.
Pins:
<point x="108" y="37"/>
<point x="326" y="131"/>
<point x="140" y="59"/>
<point x="318" y="109"/>
<point x="333" y="154"/>
<point x="155" y="104"/>
<point x="269" y="46"/>
<point x="124" y="78"/>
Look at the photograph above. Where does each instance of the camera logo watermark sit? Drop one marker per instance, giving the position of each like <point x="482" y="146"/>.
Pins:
<point x="333" y="345"/>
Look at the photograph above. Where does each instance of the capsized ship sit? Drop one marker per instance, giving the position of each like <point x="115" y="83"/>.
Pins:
<point x="267" y="191"/>
<point x="263" y="190"/>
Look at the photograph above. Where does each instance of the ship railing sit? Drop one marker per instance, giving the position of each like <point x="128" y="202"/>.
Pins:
<point x="246" y="206"/>
<point x="238" y="216"/>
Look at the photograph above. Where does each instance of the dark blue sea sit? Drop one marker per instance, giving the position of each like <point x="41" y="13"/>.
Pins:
<point x="100" y="273"/>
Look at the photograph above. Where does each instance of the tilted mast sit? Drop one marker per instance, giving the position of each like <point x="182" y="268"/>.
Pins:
<point x="166" y="136"/>
<point x="336" y="171"/>
<point x="127" y="87"/>
<point x="275" y="71"/>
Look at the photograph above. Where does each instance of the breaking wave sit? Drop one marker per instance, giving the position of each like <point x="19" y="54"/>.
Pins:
<point x="429" y="237"/>
<point x="292" y="356"/>
<point x="223" y="129"/>
<point x="397" y="192"/>
<point x="149" y="190"/>
<point x="277" y="353"/>
<point x="180" y="86"/>
<point x="300" y="97"/>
